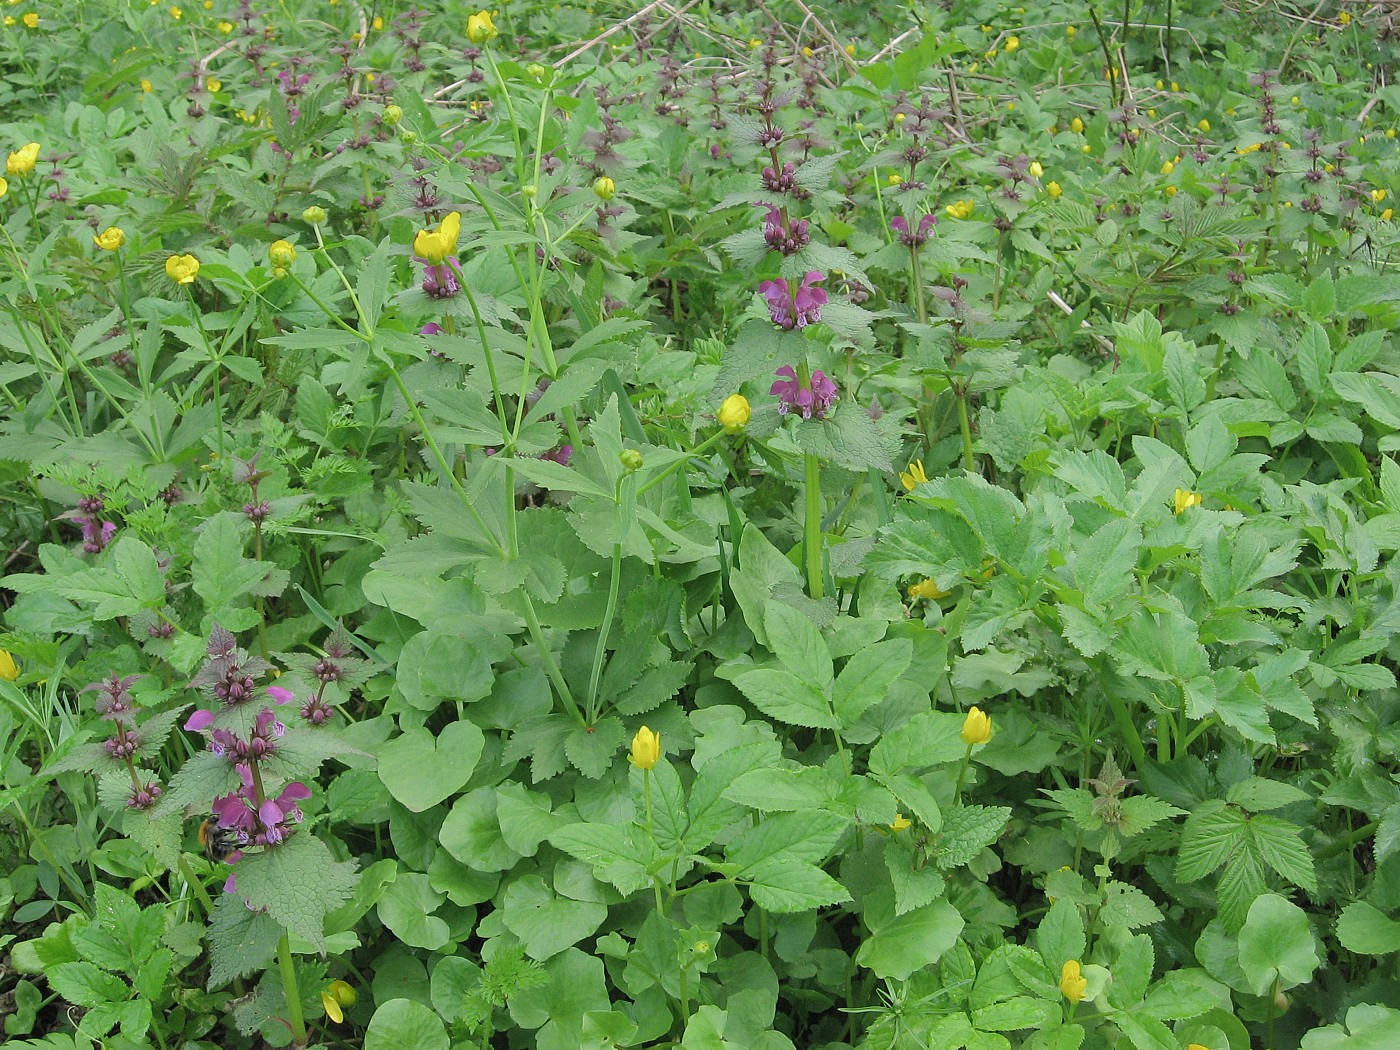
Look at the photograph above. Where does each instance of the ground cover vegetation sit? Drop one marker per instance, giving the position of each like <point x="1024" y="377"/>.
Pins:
<point x="716" y="525"/>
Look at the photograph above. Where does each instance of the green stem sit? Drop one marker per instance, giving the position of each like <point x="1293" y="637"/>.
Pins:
<point x="196" y="886"/>
<point x="916" y="279"/>
<point x="626" y="509"/>
<point x="962" y="775"/>
<point x="290" y="990"/>
<point x="551" y="667"/>
<point x="217" y="361"/>
<point x="812" y="525"/>
<point x="965" y="425"/>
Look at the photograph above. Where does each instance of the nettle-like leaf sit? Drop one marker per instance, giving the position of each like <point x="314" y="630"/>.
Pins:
<point x="298" y="882"/>
<point x="1245" y="845"/>
<point x="967" y="830"/>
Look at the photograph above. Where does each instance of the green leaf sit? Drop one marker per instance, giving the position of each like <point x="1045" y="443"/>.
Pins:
<point x="1280" y="845"/>
<point x="83" y="984"/>
<point x="297" y="882"/>
<point x="913" y="886"/>
<point x="927" y="740"/>
<point x="407" y="907"/>
<point x="1104" y="563"/>
<point x="782" y="885"/>
<point x="1212" y="834"/>
<point x="1182" y="994"/>
<point x="1367" y="931"/>
<point x="621" y="854"/>
<point x="1127" y="907"/>
<point x="1276" y="944"/>
<point x="401" y="1023"/>
<point x="421" y="770"/>
<point x="545" y="923"/>
<point x="130" y="582"/>
<point x="783" y="790"/>
<point x="592" y="749"/>
<point x="967" y="830"/>
<point x="1060" y="936"/>
<point x="1258" y="795"/>
<point x="787" y="698"/>
<point x="867" y="677"/>
<point x="800" y="836"/>
<point x="241" y="941"/>
<point x="795" y="640"/>
<point x="902" y="944"/>
<point x="1367" y="1028"/>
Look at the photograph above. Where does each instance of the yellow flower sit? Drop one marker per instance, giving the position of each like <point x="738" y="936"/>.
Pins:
<point x="1170" y="191"/>
<point x="1054" y="189"/>
<point x="145" y="86"/>
<point x="1168" y="167"/>
<point x="927" y="589"/>
<point x="225" y="27"/>
<point x="435" y="247"/>
<point x="646" y="749"/>
<point x="1344" y="18"/>
<point x="281" y="254"/>
<point x="1036" y="169"/>
<point x="1386" y="215"/>
<point x="9" y="20"/>
<point x="914" y="476"/>
<point x="110" y="239"/>
<point x="1253" y="147"/>
<point x="1012" y="43"/>
<point x="314" y="215"/>
<point x="1183" y="499"/>
<point x="176" y="13"/>
<point x="1072" y="984"/>
<point x="850" y="49"/>
<point x="977" y="727"/>
<point x="9" y="670"/>
<point x="901" y="822"/>
<point x="31" y="20"/>
<point x="480" y="28"/>
<point x="894" y="179"/>
<point x="214" y="85"/>
<point x="182" y="269"/>
<point x="336" y="995"/>
<point x="1196" y="1046"/>
<point x="960" y="209"/>
<point x="1203" y="124"/>
<point x="1077" y="126"/>
<point x="22" y="161"/>
<point x="604" y="188"/>
<point x="1390" y="133"/>
<point x="4" y="187"/>
<point x="1070" y="31"/>
<point x="1378" y="195"/>
<point x="378" y="23"/>
<point x="1159" y="85"/>
<point x="734" y="414"/>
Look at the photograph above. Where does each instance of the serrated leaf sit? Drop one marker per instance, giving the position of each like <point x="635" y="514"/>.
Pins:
<point x="913" y="886"/>
<point x="783" y="884"/>
<point x="867" y="677"/>
<point x="905" y="943"/>
<point x="1128" y="907"/>
<point x="241" y="942"/>
<point x="620" y="853"/>
<point x="297" y="882"/>
<point x="967" y="830"/>
<point x="783" y="790"/>
<point x="787" y="698"/>
<point x="591" y="750"/>
<point x="1280" y="845"/>
<point x="87" y="985"/>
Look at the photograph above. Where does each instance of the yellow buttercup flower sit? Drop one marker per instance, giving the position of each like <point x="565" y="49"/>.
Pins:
<point x="9" y="670"/>
<point x="21" y="162"/>
<point x="110" y="239"/>
<point x="927" y="589"/>
<point x="281" y="254"/>
<point x="31" y="20"/>
<point x="1203" y="124"/>
<point x="337" y="995"/>
<point x="1387" y="214"/>
<point x="646" y="749"/>
<point x="1170" y="191"/>
<point x="4" y="187"/>
<point x="1073" y="984"/>
<point x="1344" y="17"/>
<point x="960" y="209"/>
<point x="224" y="27"/>
<point x="434" y="248"/>
<point x="1054" y="189"/>
<point x="1196" y="1046"/>
<point x="1071" y="31"/>
<point x="480" y="28"/>
<point x="734" y="414"/>
<point x="1378" y="195"/>
<point x="214" y="85"/>
<point x="604" y="188"/>
<point x="901" y="822"/>
<point x="1036" y="169"/>
<point x="314" y="215"/>
<point x="1012" y="43"/>
<point x="1182" y="500"/>
<point x="146" y="86"/>
<point x="977" y="727"/>
<point x="914" y="476"/>
<point x="1168" y="167"/>
<point x="1077" y="126"/>
<point x="182" y="269"/>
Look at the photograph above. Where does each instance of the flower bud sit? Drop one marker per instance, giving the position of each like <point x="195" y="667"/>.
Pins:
<point x="480" y="28"/>
<point x="314" y="215"/>
<point x="630" y="459"/>
<point x="646" y="746"/>
<point x="1073" y="984"/>
<point x="977" y="729"/>
<point x="536" y="72"/>
<point x="9" y="670"/>
<point x="734" y="414"/>
<point x="408" y="137"/>
<point x="604" y="188"/>
<point x="281" y="254"/>
<point x="1054" y="189"/>
<point x="392" y="116"/>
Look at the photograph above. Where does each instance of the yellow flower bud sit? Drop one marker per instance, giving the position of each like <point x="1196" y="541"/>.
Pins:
<point x="4" y="186"/>
<point x="1168" y="167"/>
<point x="1036" y="169"/>
<point x="22" y="161"/>
<point x="630" y="459"/>
<point x="1070" y="31"/>
<point x="928" y="590"/>
<point x="901" y="823"/>
<point x="1344" y="18"/>
<point x="480" y="28"/>
<point x="9" y="670"/>
<point x="314" y="215"/>
<point x="1386" y="215"/>
<point x="1203" y="124"/>
<point x="1054" y="189"/>
<point x="646" y="749"/>
<point x="182" y="269"/>
<point x="1012" y="43"/>
<point x="1182" y="500"/>
<point x="1077" y="126"/>
<point x="392" y="115"/>
<point x="1072" y="983"/>
<point x="146" y="87"/>
<point x="281" y="254"/>
<point x="977" y="727"/>
<point x="110" y="239"/>
<point x="31" y="20"/>
<point x="734" y="414"/>
<point x="1170" y="191"/>
<point x="604" y="188"/>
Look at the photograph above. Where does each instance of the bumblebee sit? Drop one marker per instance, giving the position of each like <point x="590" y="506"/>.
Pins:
<point x="218" y="843"/>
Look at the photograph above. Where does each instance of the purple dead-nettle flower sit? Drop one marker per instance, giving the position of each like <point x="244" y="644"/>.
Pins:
<point x="316" y="711"/>
<point x="258" y="512"/>
<point x="812" y="400"/>
<point x="440" y="281"/>
<point x="560" y="455"/>
<point x="114" y="704"/>
<point x="782" y="235"/>
<point x="431" y="328"/>
<point x="791" y="310"/>
<point x="96" y="535"/>
<point x="144" y="797"/>
<point x="230" y="674"/>
<point x="253" y="823"/>
<point x="913" y="238"/>
<point x="124" y="744"/>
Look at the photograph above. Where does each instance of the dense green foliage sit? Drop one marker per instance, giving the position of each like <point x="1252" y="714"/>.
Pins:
<point x="717" y="525"/>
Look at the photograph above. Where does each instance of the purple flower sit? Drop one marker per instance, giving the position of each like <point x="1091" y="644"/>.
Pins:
<point x="440" y="282"/>
<point x="811" y="400"/>
<point x="781" y="235"/>
<point x="144" y="797"/>
<point x="914" y="238"/>
<point x="280" y="695"/>
<point x="431" y="328"/>
<point x="560" y="455"/>
<point x="95" y="536"/>
<point x="254" y="823"/>
<point x="791" y="310"/>
<point x="199" y="721"/>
